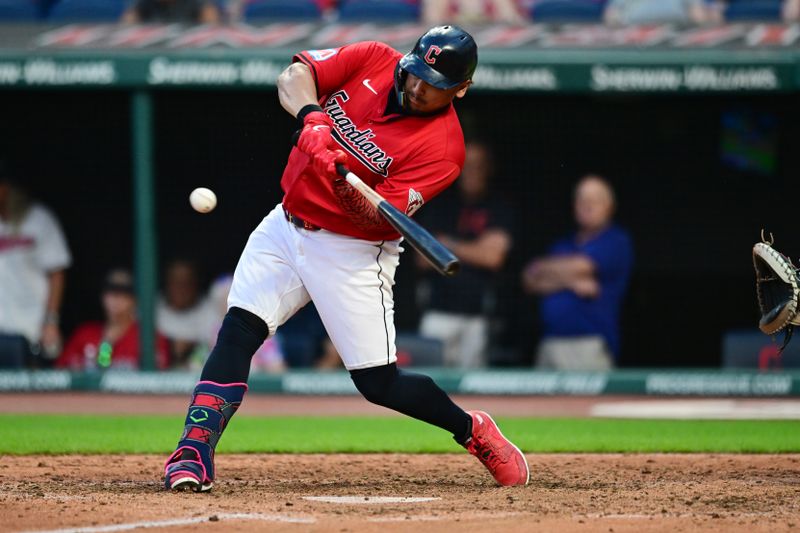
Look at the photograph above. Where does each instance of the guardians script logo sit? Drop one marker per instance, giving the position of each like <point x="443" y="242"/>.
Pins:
<point x="356" y="141"/>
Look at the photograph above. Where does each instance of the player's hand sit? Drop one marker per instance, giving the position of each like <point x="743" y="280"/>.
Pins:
<point x="325" y="162"/>
<point x="51" y="341"/>
<point x="315" y="137"/>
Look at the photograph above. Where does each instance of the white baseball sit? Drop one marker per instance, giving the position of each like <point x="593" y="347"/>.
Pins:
<point x="203" y="200"/>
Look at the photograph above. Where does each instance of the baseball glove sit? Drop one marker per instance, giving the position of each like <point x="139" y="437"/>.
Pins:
<point x="778" y="288"/>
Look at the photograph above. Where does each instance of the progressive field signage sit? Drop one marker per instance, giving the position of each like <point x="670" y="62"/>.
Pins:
<point x="491" y="382"/>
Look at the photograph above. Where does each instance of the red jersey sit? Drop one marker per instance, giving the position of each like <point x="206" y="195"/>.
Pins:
<point x="83" y="347"/>
<point x="407" y="159"/>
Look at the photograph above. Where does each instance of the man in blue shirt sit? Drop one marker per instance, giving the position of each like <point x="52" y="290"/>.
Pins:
<point x="582" y="283"/>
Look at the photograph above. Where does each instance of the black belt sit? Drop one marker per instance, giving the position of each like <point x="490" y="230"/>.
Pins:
<point x="299" y="222"/>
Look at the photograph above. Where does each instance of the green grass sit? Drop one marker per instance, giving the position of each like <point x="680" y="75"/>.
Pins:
<point x="27" y="434"/>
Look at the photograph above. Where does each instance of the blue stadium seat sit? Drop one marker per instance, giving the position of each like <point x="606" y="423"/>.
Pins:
<point x="766" y="10"/>
<point x="379" y="10"/>
<point x="567" y="10"/>
<point x="281" y="9"/>
<point x="87" y="10"/>
<point x="19" y="10"/>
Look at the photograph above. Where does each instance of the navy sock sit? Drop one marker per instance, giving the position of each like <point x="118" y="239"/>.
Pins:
<point x="415" y="395"/>
<point x="241" y="334"/>
<point x="211" y="409"/>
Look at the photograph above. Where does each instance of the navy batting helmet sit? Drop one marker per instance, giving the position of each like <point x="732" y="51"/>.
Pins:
<point x="445" y="56"/>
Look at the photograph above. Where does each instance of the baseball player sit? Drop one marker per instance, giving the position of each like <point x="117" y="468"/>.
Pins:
<point x="390" y="119"/>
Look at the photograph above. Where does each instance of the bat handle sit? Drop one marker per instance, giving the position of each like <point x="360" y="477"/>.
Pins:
<point x="342" y="170"/>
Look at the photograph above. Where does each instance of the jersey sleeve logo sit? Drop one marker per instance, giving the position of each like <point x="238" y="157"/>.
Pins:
<point x="322" y="55"/>
<point x="432" y="53"/>
<point x="415" y="201"/>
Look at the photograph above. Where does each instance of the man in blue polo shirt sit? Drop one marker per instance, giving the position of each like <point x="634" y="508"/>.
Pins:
<point x="582" y="283"/>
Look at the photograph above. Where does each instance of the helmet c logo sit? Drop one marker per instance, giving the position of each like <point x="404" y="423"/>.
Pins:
<point x="432" y="53"/>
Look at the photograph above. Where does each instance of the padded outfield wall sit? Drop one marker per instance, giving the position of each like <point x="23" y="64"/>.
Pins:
<point x="648" y="107"/>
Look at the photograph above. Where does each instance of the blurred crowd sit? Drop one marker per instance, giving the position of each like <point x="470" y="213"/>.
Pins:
<point x="579" y="285"/>
<point x="612" y="12"/>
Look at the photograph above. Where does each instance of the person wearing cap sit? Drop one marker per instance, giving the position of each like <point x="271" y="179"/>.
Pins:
<point x="389" y="118"/>
<point x="113" y="343"/>
<point x="33" y="259"/>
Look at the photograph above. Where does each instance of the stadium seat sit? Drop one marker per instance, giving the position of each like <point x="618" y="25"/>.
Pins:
<point x="19" y="10"/>
<point x="766" y="10"/>
<point x="13" y="350"/>
<point x="281" y="9"/>
<point x="752" y="349"/>
<point x="87" y="10"/>
<point x="567" y="10"/>
<point x="414" y="350"/>
<point x="395" y="11"/>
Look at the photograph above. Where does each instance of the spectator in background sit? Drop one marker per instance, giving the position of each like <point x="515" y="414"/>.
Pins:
<point x="626" y="12"/>
<point x="233" y="10"/>
<point x="268" y="358"/>
<point x="183" y="315"/>
<point x="185" y="11"/>
<point x="477" y="227"/>
<point x="113" y="343"/>
<point x="791" y="10"/>
<point x="471" y="11"/>
<point x="582" y="282"/>
<point x="33" y="258"/>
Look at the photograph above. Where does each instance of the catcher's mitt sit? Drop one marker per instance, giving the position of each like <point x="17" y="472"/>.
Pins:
<point x="778" y="287"/>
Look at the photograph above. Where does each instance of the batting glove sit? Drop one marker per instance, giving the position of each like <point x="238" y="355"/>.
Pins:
<point x="315" y="136"/>
<point x="324" y="163"/>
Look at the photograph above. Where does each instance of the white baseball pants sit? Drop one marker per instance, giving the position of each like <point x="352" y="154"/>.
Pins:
<point x="350" y="281"/>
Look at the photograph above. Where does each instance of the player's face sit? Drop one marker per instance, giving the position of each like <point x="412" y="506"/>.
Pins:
<point x="475" y="174"/>
<point x="425" y="98"/>
<point x="594" y="204"/>
<point x="181" y="288"/>
<point x="117" y="304"/>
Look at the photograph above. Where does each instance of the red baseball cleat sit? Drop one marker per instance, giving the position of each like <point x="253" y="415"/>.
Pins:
<point x="498" y="455"/>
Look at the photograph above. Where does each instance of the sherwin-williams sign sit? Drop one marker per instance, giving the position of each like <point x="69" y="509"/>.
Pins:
<point x="143" y="70"/>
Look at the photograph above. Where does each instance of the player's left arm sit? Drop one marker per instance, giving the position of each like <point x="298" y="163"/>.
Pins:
<point x="406" y="190"/>
<point x="315" y="73"/>
<point x="297" y="88"/>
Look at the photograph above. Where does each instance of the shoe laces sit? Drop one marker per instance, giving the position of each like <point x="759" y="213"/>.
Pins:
<point x="485" y="452"/>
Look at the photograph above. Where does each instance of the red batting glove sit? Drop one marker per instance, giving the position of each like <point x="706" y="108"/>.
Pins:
<point x="316" y="133"/>
<point x="325" y="163"/>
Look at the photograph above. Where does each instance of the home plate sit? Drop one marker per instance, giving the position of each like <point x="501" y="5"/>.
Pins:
<point x="367" y="500"/>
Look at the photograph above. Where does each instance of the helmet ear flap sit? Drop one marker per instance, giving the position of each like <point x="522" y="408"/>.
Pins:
<point x="400" y="76"/>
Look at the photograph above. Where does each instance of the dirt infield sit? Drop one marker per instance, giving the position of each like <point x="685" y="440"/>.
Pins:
<point x="568" y="493"/>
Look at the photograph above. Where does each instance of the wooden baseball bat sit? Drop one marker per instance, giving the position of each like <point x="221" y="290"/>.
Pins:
<point x="442" y="259"/>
